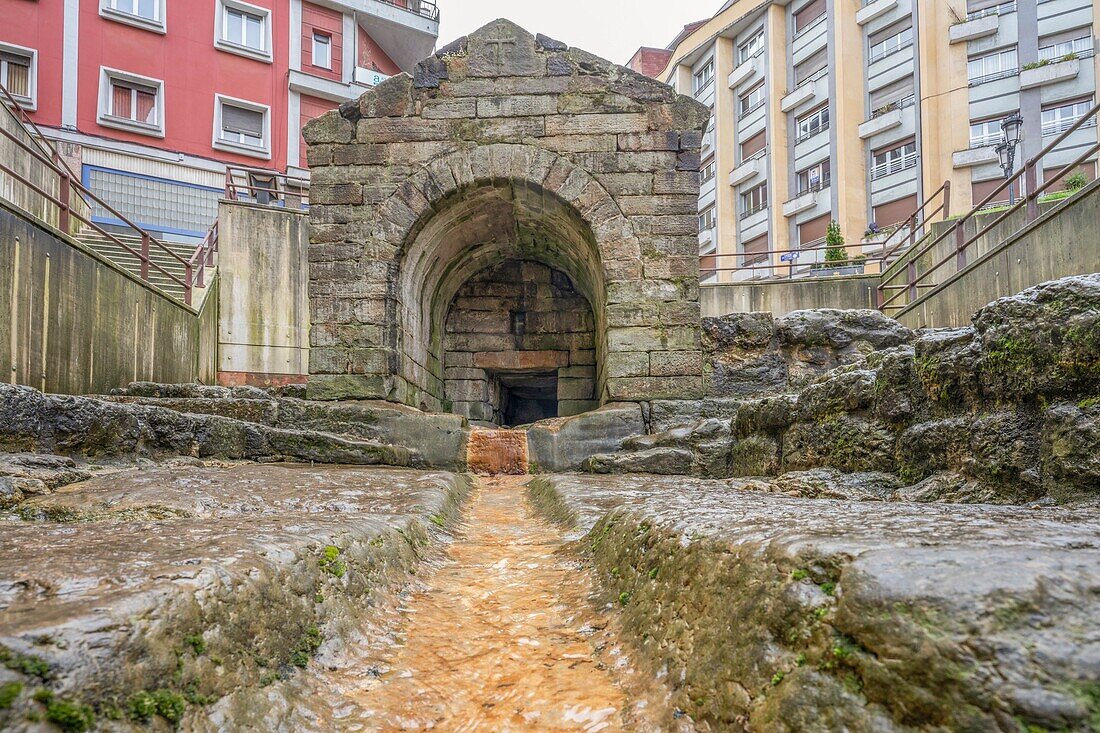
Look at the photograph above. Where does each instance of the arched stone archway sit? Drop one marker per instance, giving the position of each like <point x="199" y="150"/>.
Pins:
<point x="504" y="147"/>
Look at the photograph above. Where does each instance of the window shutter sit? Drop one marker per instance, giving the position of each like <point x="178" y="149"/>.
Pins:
<point x="19" y="74"/>
<point x="755" y="250"/>
<point x="813" y="230"/>
<point x="895" y="212"/>
<point x="808" y="14"/>
<point x="811" y="66"/>
<point x="245" y="121"/>
<point x="890" y="93"/>
<point x="754" y="144"/>
<point x="896" y="28"/>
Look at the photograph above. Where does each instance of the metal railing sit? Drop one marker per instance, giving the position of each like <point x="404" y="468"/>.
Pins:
<point x="992" y="76"/>
<point x="896" y="104"/>
<point x="1002" y="9"/>
<point x="204" y="255"/>
<point x="1029" y="202"/>
<point x="423" y="8"/>
<point x="759" y="264"/>
<point x="890" y="167"/>
<point x="265" y="187"/>
<point x="68" y="184"/>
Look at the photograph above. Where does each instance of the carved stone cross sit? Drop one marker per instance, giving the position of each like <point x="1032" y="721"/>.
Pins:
<point x="498" y="45"/>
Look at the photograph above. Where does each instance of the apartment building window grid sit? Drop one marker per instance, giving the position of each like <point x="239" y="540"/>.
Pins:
<point x="147" y="9"/>
<point x="15" y="74"/>
<point x="751" y="100"/>
<point x="754" y="200"/>
<point x="133" y="102"/>
<point x="812" y="123"/>
<point x="1060" y="118"/>
<point x="1081" y="47"/>
<point x="993" y="66"/>
<point x="751" y="47"/>
<point x="814" y="178"/>
<point x="891" y="44"/>
<point x="244" y="27"/>
<point x="893" y="160"/>
<point x="703" y="77"/>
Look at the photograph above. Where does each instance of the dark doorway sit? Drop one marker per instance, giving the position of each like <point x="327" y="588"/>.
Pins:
<point x="526" y="397"/>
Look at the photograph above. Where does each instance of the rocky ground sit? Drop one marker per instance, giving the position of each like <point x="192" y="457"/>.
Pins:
<point x="1006" y="410"/>
<point x="170" y="592"/>
<point x="775" y="613"/>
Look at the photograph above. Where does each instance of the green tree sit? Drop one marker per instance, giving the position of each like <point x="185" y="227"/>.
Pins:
<point x="834" y="243"/>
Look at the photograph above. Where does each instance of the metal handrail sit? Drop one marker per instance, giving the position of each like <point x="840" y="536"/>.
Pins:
<point x="279" y="195"/>
<point x="424" y="8"/>
<point x="68" y="183"/>
<point x="1029" y="202"/>
<point x="204" y="255"/>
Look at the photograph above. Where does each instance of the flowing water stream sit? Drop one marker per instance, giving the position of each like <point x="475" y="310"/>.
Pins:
<point x="501" y="636"/>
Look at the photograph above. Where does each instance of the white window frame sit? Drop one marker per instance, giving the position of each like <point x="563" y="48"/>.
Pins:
<point x="262" y="151"/>
<point x="708" y="219"/>
<point x="745" y="104"/>
<point x="754" y="200"/>
<point x="805" y="126"/>
<point x="313" y="49"/>
<point x="894" y="160"/>
<point x="103" y="116"/>
<point x="708" y="170"/>
<point x="890" y="45"/>
<point x="703" y="78"/>
<point x="220" y="41"/>
<point x="158" y="24"/>
<point x="991" y="71"/>
<point x="988" y="133"/>
<point x="750" y="48"/>
<point x="1082" y="47"/>
<point x="816" y="177"/>
<point x="29" y="102"/>
<point x="1058" y="119"/>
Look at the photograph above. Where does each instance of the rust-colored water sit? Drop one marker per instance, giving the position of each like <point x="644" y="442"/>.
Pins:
<point x="502" y="637"/>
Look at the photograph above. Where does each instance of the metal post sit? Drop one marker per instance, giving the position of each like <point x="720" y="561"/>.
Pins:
<point x="144" y="256"/>
<point x="187" y="284"/>
<point x="1031" y="180"/>
<point x="911" y="277"/>
<point x="946" y="199"/>
<point x="960" y="249"/>
<point x="63" y="194"/>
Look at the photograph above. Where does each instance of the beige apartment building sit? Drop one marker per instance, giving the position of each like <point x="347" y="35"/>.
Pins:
<point x="857" y="111"/>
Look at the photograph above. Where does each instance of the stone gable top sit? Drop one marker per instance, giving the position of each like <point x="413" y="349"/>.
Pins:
<point x="502" y="59"/>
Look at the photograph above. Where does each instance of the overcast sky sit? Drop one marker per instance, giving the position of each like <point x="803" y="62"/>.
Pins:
<point x="613" y="29"/>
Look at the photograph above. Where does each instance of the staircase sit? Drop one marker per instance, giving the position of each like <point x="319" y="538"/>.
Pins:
<point x="113" y="251"/>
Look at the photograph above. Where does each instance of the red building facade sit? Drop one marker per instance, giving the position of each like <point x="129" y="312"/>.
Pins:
<point x="153" y="99"/>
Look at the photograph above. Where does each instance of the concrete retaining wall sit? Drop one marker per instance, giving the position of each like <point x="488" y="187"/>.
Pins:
<point x="1059" y="244"/>
<point x="783" y="296"/>
<point x="263" y="308"/>
<point x="74" y="323"/>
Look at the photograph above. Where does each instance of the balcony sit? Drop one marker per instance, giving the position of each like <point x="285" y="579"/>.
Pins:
<point x="892" y="166"/>
<point x="1049" y="73"/>
<point x="885" y="118"/>
<point x="749" y="69"/>
<point x="405" y="29"/>
<point x="706" y="238"/>
<point x="982" y="155"/>
<point x="749" y="168"/>
<point x="802" y="202"/>
<point x="874" y="9"/>
<point x="800" y="96"/>
<point x="971" y="30"/>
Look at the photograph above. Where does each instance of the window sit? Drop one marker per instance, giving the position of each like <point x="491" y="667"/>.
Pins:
<point x="751" y="100"/>
<point x="889" y="41"/>
<point x="754" y="200"/>
<point x="892" y="96"/>
<point x="812" y="123"/>
<point x="805" y="16"/>
<point x="991" y="67"/>
<point x="755" y="146"/>
<point x="809" y="68"/>
<point x="987" y="9"/>
<point x="751" y="47"/>
<point x="892" y="160"/>
<point x="707" y="219"/>
<point x="814" y="178"/>
<point x="703" y="77"/>
<point x="1061" y="118"/>
<point x="708" y="171"/>
<point x="17" y="73"/>
<point x="243" y="29"/>
<point x="322" y="50"/>
<point x="986" y="132"/>
<point x="241" y="126"/>
<point x="1076" y="43"/>
<point x="131" y="102"/>
<point x="142" y="13"/>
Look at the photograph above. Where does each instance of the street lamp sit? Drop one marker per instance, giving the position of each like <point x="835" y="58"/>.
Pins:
<point x="1011" y="127"/>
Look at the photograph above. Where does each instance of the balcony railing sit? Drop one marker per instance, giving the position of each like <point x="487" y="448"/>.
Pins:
<point x="896" y="165"/>
<point x="754" y="210"/>
<point x="811" y="133"/>
<point x="883" y="53"/>
<point x="266" y="188"/>
<point x="898" y="104"/>
<point x="819" y="186"/>
<point x="423" y="8"/>
<point x="993" y="76"/>
<point x="1053" y="128"/>
<point x="911" y="284"/>
<point x="820" y="73"/>
<point x="1002" y="9"/>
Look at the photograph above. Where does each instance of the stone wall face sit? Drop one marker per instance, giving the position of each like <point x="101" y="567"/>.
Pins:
<point x="504" y="146"/>
<point x="513" y="319"/>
